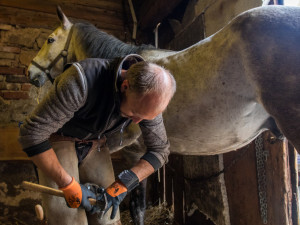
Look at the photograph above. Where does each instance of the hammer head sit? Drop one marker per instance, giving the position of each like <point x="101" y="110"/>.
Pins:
<point x="100" y="205"/>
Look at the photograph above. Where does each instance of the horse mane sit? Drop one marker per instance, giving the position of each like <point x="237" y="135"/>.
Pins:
<point x="99" y="44"/>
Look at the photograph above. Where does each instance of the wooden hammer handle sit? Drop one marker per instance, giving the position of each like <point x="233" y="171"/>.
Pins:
<point x="47" y="190"/>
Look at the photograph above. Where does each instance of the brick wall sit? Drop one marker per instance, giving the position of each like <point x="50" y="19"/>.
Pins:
<point x="18" y="45"/>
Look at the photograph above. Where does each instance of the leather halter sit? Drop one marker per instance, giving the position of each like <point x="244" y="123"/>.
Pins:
<point x="63" y="54"/>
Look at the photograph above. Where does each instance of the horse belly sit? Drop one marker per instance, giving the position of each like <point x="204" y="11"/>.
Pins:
<point x="202" y="131"/>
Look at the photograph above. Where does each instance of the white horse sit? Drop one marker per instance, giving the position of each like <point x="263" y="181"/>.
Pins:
<point x="230" y="85"/>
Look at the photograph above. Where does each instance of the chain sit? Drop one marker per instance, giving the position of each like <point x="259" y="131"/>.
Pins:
<point x="261" y="158"/>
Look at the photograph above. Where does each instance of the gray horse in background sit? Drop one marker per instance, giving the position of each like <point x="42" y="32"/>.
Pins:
<point x="231" y="86"/>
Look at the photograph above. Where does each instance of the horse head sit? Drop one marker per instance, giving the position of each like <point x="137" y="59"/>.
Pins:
<point x="52" y="57"/>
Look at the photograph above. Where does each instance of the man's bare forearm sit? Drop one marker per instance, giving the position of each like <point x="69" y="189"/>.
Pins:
<point x="48" y="163"/>
<point x="142" y="169"/>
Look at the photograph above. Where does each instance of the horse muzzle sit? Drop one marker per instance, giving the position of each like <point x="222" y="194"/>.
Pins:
<point x="37" y="79"/>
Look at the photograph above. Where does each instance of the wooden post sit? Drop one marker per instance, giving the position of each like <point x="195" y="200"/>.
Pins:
<point x="241" y="185"/>
<point x="294" y="184"/>
<point x="170" y="173"/>
<point x="178" y="188"/>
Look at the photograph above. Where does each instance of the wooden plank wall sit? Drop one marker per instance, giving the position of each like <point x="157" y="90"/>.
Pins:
<point x="186" y="187"/>
<point x="242" y="187"/>
<point x="112" y="16"/>
<point x="10" y="149"/>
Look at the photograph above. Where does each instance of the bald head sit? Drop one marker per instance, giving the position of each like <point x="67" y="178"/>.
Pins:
<point x="147" y="78"/>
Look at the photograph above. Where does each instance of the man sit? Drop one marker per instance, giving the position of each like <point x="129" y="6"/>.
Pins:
<point x="90" y="101"/>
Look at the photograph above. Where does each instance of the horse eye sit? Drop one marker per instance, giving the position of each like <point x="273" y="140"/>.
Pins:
<point x="50" y="40"/>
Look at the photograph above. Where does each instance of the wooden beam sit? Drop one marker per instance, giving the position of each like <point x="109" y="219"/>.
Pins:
<point x="50" y="6"/>
<point x="113" y="5"/>
<point x="94" y="14"/>
<point x="292" y="155"/>
<point x="153" y="12"/>
<point x="177" y="164"/>
<point x="241" y="186"/>
<point x="29" y="18"/>
<point x="75" y="11"/>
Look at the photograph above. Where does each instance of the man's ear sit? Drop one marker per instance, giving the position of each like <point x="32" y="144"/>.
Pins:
<point x="124" y="86"/>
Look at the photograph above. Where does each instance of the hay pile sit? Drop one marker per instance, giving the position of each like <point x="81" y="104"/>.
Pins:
<point x="158" y="215"/>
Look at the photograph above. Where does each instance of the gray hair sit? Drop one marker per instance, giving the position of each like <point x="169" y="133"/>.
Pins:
<point x="145" y="78"/>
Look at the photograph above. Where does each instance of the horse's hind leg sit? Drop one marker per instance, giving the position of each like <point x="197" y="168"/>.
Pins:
<point x="280" y="97"/>
<point x="271" y="124"/>
<point x="288" y="120"/>
<point x="285" y="109"/>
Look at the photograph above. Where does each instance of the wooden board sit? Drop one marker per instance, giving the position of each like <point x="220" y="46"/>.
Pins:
<point x="242" y="186"/>
<point x="25" y="18"/>
<point x="28" y="18"/>
<point x="153" y="12"/>
<point x="48" y="6"/>
<point x="10" y="149"/>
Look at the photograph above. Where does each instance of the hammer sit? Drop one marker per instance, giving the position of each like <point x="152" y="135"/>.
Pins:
<point x="51" y="191"/>
<point x="47" y="190"/>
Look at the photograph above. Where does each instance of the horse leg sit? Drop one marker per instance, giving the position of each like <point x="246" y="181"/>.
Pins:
<point x="281" y="101"/>
<point x="132" y="155"/>
<point x="271" y="59"/>
<point x="280" y="97"/>
<point x="288" y="117"/>
<point x="271" y="124"/>
<point x="138" y="203"/>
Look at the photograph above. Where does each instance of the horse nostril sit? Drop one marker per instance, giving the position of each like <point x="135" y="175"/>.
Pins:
<point x="36" y="82"/>
<point x="28" y="74"/>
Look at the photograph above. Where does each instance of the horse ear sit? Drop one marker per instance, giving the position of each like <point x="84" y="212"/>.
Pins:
<point x="63" y="19"/>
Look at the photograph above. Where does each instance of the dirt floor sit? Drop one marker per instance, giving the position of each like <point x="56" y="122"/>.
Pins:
<point x="16" y="204"/>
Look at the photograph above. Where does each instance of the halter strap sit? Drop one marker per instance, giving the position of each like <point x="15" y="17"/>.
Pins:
<point x="63" y="54"/>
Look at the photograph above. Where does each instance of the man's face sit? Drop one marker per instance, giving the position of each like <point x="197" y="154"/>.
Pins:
<point x="137" y="108"/>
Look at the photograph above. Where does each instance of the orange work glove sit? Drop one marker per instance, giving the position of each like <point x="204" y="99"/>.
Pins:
<point x="116" y="192"/>
<point x="73" y="194"/>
